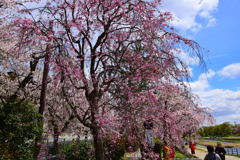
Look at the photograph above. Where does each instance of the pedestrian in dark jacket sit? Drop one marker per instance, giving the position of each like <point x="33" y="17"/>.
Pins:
<point x="220" y="151"/>
<point x="211" y="155"/>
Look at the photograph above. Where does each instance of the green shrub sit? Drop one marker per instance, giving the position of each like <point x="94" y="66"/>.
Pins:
<point x="18" y="130"/>
<point x="81" y="150"/>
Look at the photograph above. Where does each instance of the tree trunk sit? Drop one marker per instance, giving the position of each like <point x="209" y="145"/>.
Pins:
<point x="93" y="98"/>
<point x="98" y="144"/>
<point x="55" y="140"/>
<point x="38" y="141"/>
<point x="44" y="81"/>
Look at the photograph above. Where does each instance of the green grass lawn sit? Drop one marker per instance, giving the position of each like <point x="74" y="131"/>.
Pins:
<point x="180" y="155"/>
<point x="232" y="139"/>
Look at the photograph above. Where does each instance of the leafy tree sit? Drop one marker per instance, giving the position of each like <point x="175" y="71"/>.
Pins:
<point x="217" y="131"/>
<point x="208" y="131"/>
<point x="225" y="129"/>
<point x="221" y="130"/>
<point x="18" y="129"/>
<point x="237" y="129"/>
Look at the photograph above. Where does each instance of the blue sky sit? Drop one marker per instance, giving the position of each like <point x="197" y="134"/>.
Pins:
<point x="214" y="24"/>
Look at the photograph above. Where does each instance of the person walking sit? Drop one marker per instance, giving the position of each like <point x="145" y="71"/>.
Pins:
<point x="220" y="150"/>
<point x="211" y="155"/>
<point x="166" y="152"/>
<point x="172" y="152"/>
<point x="192" y="146"/>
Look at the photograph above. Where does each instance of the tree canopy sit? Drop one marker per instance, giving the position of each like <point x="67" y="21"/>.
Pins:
<point x="220" y="130"/>
<point x="108" y="65"/>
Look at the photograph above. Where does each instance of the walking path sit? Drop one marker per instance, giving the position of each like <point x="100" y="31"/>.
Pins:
<point x="200" y="153"/>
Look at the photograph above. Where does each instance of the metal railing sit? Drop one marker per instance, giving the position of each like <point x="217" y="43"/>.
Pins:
<point x="233" y="151"/>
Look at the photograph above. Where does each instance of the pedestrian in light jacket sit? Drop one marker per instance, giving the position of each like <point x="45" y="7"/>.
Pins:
<point x="211" y="154"/>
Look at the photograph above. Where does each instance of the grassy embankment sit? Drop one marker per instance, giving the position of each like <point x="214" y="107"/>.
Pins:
<point x="179" y="155"/>
<point x="228" y="141"/>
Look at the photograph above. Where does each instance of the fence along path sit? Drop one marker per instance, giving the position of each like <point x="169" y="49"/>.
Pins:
<point x="233" y="151"/>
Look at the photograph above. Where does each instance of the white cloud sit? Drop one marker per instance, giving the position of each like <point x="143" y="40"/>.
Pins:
<point x="202" y="83"/>
<point x="190" y="71"/>
<point x="221" y="99"/>
<point x="185" y="12"/>
<point x="229" y="118"/>
<point x="231" y="71"/>
<point x="224" y="103"/>
<point x="187" y="58"/>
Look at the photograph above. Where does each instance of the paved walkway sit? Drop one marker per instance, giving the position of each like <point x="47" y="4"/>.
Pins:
<point x="201" y="153"/>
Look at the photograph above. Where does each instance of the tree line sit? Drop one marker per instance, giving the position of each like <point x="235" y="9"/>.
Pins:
<point x="220" y="130"/>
